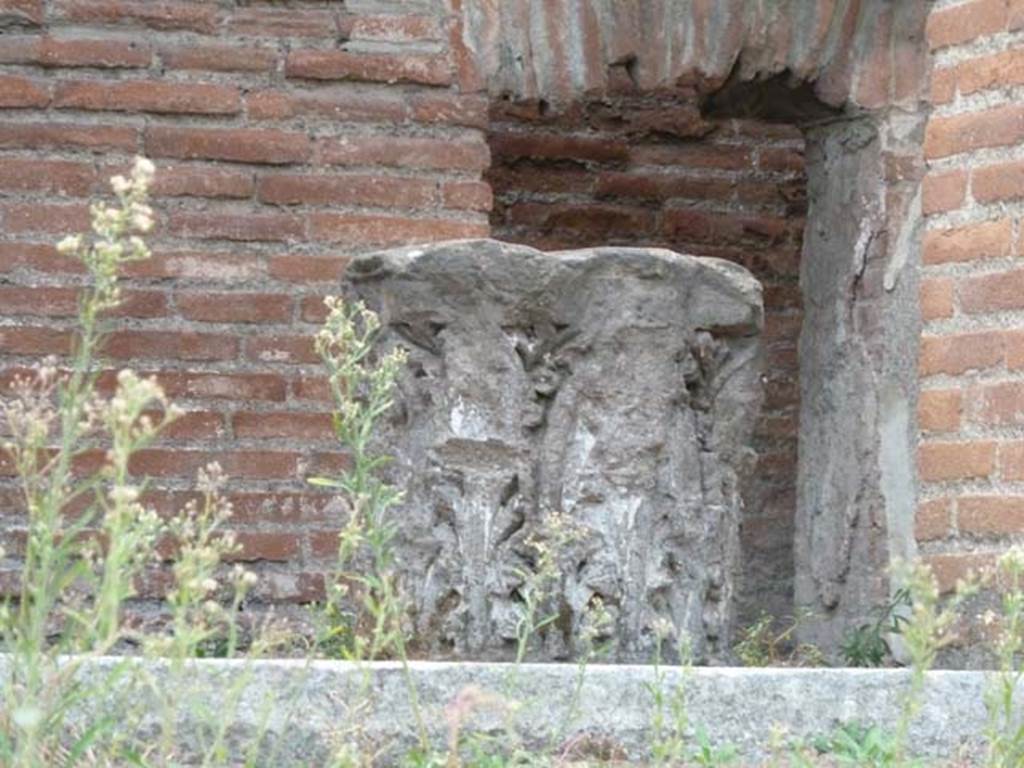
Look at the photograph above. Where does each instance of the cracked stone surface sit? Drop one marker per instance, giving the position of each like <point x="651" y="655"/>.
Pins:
<point x="597" y="402"/>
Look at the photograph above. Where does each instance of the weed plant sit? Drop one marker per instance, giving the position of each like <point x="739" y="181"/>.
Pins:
<point x="91" y="540"/>
<point x="1005" y="730"/>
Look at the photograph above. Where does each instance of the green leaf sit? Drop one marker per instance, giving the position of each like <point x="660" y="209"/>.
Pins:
<point x="325" y="482"/>
<point x="80" y="747"/>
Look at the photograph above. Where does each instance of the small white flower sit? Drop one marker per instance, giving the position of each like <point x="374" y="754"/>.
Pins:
<point x="144" y="168"/>
<point x="120" y="184"/>
<point x="142" y="222"/>
<point x="124" y="494"/>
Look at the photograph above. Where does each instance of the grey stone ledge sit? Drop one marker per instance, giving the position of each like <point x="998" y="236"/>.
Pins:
<point x="307" y="708"/>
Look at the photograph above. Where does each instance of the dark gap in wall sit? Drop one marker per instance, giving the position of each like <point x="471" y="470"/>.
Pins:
<point x="651" y="170"/>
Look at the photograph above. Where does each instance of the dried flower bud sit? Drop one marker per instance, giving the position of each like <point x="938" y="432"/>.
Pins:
<point x="69" y="245"/>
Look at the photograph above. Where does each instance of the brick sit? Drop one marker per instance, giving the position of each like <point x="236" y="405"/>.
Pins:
<point x="324" y="544"/>
<point x="329" y="463"/>
<point x="240" y="145"/>
<point x="781" y="159"/>
<point x="273" y="547"/>
<point x="780" y="325"/>
<point x="312" y="309"/>
<point x="148" y="96"/>
<point x="939" y="410"/>
<point x="932" y="520"/>
<point x="284" y="22"/>
<point x="1011" y="461"/>
<point x="990" y="514"/>
<point x="469" y="110"/>
<point x="58" y="301"/>
<point x="943" y="462"/>
<point x="54" y="52"/>
<point x="949" y="569"/>
<point x="235" y="307"/>
<point x="202" y="181"/>
<point x="196" y="16"/>
<point x="693" y="225"/>
<point x="110" y="54"/>
<point x="467" y="195"/>
<point x="281" y="348"/>
<point x="942" y="192"/>
<point x="692" y="155"/>
<point x="958" y="353"/>
<point x="992" y="292"/>
<point x="240" y="227"/>
<point x="998" y="182"/>
<point x="238" y="464"/>
<point x="596" y="220"/>
<point x="21" y="92"/>
<point x="383" y="68"/>
<point x="405" y="152"/>
<point x="936" y="298"/>
<point x="53" y="135"/>
<point x="791" y="193"/>
<point x="965" y="22"/>
<point x="30" y="340"/>
<point x="559" y="147"/>
<point x="219" y="58"/>
<point x="193" y="425"/>
<point x="179" y="345"/>
<point x="212" y="266"/>
<point x="664" y="186"/>
<point x="536" y="177"/>
<point x="310" y="387"/>
<point x="1013" y="342"/>
<point x="341" y="104"/>
<point x="951" y="135"/>
<point x="996" y="71"/>
<point x="1000" y="404"/>
<point x="261" y="507"/>
<point x="21" y="13"/>
<point x="943" y="86"/>
<point x="54" y="177"/>
<point x="353" y="189"/>
<point x="983" y="240"/>
<point x="50" y="218"/>
<point x="29" y="300"/>
<point x="222" y="386"/>
<point x="36" y="257"/>
<point x="391" y="28"/>
<point x="292" y="425"/>
<point x="387" y="230"/>
<point x="302" y="269"/>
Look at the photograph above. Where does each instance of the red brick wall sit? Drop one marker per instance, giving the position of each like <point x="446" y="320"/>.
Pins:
<point x="289" y="135"/>
<point x="971" y="457"/>
<point x="286" y="138"/>
<point x="633" y="171"/>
